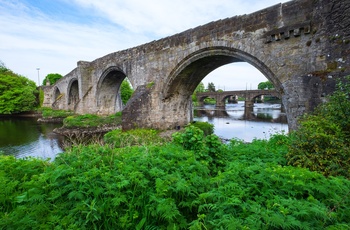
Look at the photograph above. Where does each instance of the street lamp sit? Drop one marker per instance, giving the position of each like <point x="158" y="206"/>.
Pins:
<point x="38" y="76"/>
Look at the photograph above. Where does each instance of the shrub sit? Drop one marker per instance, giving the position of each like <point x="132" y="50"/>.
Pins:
<point x="141" y="137"/>
<point x="191" y="138"/>
<point x="322" y="141"/>
<point x="206" y="127"/>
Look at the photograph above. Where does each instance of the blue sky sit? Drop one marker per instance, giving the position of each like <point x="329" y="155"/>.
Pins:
<point x="54" y="35"/>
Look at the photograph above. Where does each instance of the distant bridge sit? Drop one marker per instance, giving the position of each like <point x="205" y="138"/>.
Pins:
<point x="249" y="96"/>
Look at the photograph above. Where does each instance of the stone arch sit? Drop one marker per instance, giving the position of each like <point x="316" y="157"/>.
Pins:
<point x="191" y="70"/>
<point x="56" y="97"/>
<point x="108" y="91"/>
<point x="56" y="93"/>
<point x="73" y="94"/>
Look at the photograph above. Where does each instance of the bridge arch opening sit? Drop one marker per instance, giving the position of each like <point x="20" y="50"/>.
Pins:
<point x="56" y="96"/>
<point x="73" y="94"/>
<point x="108" y="94"/>
<point x="190" y="72"/>
<point x="193" y="69"/>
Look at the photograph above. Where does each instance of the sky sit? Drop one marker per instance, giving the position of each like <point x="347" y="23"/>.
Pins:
<point x="38" y="37"/>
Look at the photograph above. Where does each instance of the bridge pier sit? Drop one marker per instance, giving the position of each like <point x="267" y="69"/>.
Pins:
<point x="220" y="104"/>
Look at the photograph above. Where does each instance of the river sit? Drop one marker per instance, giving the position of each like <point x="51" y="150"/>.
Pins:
<point x="264" y="120"/>
<point x="24" y="137"/>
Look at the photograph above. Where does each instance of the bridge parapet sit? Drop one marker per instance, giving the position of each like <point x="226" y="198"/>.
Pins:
<point x="249" y="96"/>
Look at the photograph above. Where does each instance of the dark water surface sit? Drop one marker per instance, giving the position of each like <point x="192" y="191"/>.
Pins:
<point x="24" y="137"/>
<point x="235" y="122"/>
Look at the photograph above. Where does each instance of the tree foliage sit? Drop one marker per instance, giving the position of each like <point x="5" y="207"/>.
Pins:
<point x="126" y="91"/>
<point x="211" y="87"/>
<point x="199" y="89"/>
<point x="322" y="142"/>
<point x="52" y="78"/>
<point x="17" y="93"/>
<point x="265" y="85"/>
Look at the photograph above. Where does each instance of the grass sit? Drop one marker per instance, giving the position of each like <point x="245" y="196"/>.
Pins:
<point x="52" y="113"/>
<point x="91" y="120"/>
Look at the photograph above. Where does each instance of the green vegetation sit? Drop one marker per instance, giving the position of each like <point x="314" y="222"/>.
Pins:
<point x="17" y="93"/>
<point x="140" y="137"/>
<point x="211" y="87"/>
<point x="206" y="127"/>
<point x="52" y="78"/>
<point x="125" y="91"/>
<point x="322" y="142"/>
<point x="265" y="85"/>
<point x="91" y="120"/>
<point x="171" y="185"/>
<point x="199" y="89"/>
<point x="209" y="101"/>
<point x="54" y="113"/>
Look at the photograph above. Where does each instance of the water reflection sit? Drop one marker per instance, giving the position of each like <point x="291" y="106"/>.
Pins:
<point x="24" y="137"/>
<point x="260" y="121"/>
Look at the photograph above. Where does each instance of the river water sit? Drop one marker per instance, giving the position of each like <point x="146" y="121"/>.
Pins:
<point x="24" y="137"/>
<point x="261" y="122"/>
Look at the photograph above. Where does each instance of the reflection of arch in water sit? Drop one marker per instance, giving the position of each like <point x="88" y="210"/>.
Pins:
<point x="210" y="113"/>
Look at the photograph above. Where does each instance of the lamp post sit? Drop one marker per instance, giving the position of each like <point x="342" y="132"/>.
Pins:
<point x="38" y="76"/>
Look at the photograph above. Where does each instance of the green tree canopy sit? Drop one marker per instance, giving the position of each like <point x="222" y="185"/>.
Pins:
<point x="17" y="93"/>
<point x="199" y="89"/>
<point x="52" y="78"/>
<point x="211" y="87"/>
<point x="126" y="91"/>
<point x="265" y="85"/>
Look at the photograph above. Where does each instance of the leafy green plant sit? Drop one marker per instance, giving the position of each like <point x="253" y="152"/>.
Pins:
<point x="126" y="91"/>
<point x="206" y="127"/>
<point x="322" y="141"/>
<point x="191" y="138"/>
<point x="141" y="137"/>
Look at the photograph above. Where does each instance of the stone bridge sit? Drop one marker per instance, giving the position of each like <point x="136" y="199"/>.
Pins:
<point x="301" y="46"/>
<point x="248" y="95"/>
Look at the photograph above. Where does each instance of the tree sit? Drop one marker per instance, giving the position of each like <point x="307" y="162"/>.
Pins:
<point x="211" y="87"/>
<point x="199" y="89"/>
<point x="265" y="85"/>
<point x="126" y="91"/>
<point x="17" y="93"/>
<point x="52" y="78"/>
